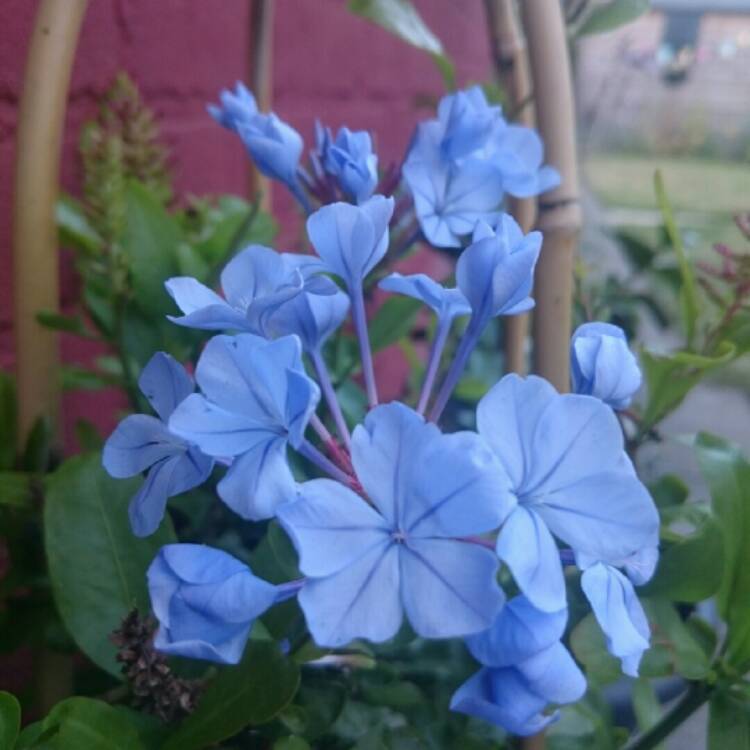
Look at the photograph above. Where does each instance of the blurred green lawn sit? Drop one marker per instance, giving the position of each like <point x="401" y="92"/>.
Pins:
<point x="704" y="193"/>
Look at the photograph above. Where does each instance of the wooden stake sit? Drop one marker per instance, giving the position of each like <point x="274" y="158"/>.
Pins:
<point x="512" y="71"/>
<point x="35" y="246"/>
<point x="261" y="81"/>
<point x="559" y="211"/>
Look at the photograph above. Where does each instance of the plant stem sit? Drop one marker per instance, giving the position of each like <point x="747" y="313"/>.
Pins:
<point x="359" y="318"/>
<point x="329" y="393"/>
<point x="312" y="454"/>
<point x="436" y="351"/>
<point x="695" y="696"/>
<point x="465" y="347"/>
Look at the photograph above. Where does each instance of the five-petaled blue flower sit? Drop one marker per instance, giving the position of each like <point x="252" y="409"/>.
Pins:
<point x="460" y="166"/>
<point x="568" y="470"/>
<point x="602" y="365"/>
<point x="206" y="602"/>
<point x="267" y="293"/>
<point x="525" y="668"/>
<point x="256" y="400"/>
<point x="143" y="442"/>
<point x="366" y="564"/>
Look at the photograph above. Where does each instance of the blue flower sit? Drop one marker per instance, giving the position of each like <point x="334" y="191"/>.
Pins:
<point x="602" y="365"/>
<point x="449" y="197"/>
<point x="143" y="442"/>
<point x="351" y="240"/>
<point x="518" y="153"/>
<point x="350" y="159"/>
<point x="312" y="317"/>
<point x="257" y="283"/>
<point x="525" y="669"/>
<point x="618" y="612"/>
<point x="273" y="145"/>
<point x="496" y="272"/>
<point x="237" y="107"/>
<point x="205" y="601"/>
<point x="446" y="303"/>
<point x="256" y="400"/>
<point x="460" y="166"/>
<point x="366" y="564"/>
<point x="564" y="455"/>
<point x="467" y="122"/>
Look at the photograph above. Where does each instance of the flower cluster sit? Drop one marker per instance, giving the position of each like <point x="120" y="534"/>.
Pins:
<point x="405" y="521"/>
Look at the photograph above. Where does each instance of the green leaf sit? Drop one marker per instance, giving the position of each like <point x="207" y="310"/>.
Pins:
<point x="251" y="693"/>
<point x="75" y="378"/>
<point x="689" y="300"/>
<point x="728" y="723"/>
<point x="68" y="323"/>
<point x="9" y="421"/>
<point x="74" y="227"/>
<point x="290" y="743"/>
<point x="37" y="452"/>
<point x="10" y="719"/>
<point x="392" y="321"/>
<point x="727" y="474"/>
<point x="15" y="489"/>
<point x="589" y="646"/>
<point x="669" y="378"/>
<point x="646" y="705"/>
<point x="97" y="566"/>
<point x="401" y="18"/>
<point x="669" y="491"/>
<point x="612" y="15"/>
<point x="150" y="240"/>
<point x="672" y="640"/>
<point x="691" y="570"/>
<point x="90" y="724"/>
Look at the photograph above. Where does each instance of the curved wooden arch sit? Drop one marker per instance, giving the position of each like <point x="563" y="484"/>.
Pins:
<point x="41" y="122"/>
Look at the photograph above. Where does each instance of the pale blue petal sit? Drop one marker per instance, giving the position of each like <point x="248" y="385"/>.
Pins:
<point x="641" y="565"/>
<point x="259" y="481"/>
<point x="203" y="308"/>
<point x="217" y="431"/>
<point x="312" y="317"/>
<point x="603" y="366"/>
<point x="165" y="383"/>
<point x="528" y="549"/>
<point x="331" y="527"/>
<point x="554" y="675"/>
<point x="519" y="632"/>
<point x="351" y="240"/>
<point x="503" y="698"/>
<point x="449" y="587"/>
<point x="446" y="303"/>
<point x="360" y="601"/>
<point x="166" y="478"/>
<point x="619" y="614"/>
<point x="302" y="398"/>
<point x="206" y="602"/>
<point x="383" y="450"/>
<point x="247" y="375"/>
<point x="139" y="441"/>
<point x="506" y="418"/>
<point x="274" y="146"/>
<point x="459" y="488"/>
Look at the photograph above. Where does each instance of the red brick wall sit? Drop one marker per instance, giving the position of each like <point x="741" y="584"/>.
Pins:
<point x="327" y="63"/>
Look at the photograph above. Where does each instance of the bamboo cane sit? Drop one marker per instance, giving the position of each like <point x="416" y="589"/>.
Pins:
<point x="559" y="211"/>
<point x="511" y="64"/>
<point x="35" y="249"/>
<point x="261" y="78"/>
<point x="35" y="252"/>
